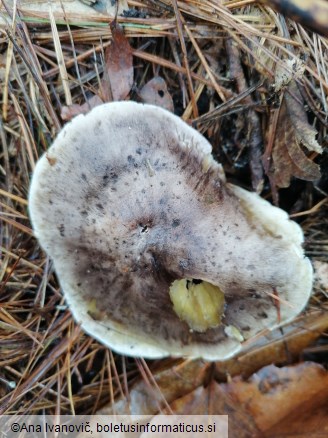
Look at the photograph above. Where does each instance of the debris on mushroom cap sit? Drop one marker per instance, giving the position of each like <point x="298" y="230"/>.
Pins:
<point x="127" y="201"/>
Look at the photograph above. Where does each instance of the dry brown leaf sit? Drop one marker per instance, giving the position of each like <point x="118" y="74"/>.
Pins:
<point x="273" y="394"/>
<point x="119" y="66"/>
<point x="214" y="400"/>
<point x="155" y="92"/>
<point x="274" y="399"/>
<point x="305" y="133"/>
<point x="293" y="130"/>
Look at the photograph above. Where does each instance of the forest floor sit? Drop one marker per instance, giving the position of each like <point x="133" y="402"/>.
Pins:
<point x="255" y="84"/>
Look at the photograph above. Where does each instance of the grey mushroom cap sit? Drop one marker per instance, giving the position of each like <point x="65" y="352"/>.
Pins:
<point x="128" y="199"/>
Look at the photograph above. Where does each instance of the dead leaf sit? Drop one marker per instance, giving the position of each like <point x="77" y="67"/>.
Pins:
<point x="290" y="131"/>
<point x="309" y="423"/>
<point x="213" y="400"/>
<point x="119" y="66"/>
<point x="304" y="132"/>
<point x="155" y="92"/>
<point x="273" y="394"/>
<point x="274" y="399"/>
<point x="293" y="131"/>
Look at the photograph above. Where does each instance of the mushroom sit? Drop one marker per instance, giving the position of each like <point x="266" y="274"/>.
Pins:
<point x="156" y="253"/>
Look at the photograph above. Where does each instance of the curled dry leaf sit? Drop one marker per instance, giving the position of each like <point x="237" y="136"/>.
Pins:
<point x="277" y="398"/>
<point x="292" y="131"/>
<point x="119" y="65"/>
<point x="304" y="132"/>
<point x="155" y="92"/>
<point x="264" y="402"/>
